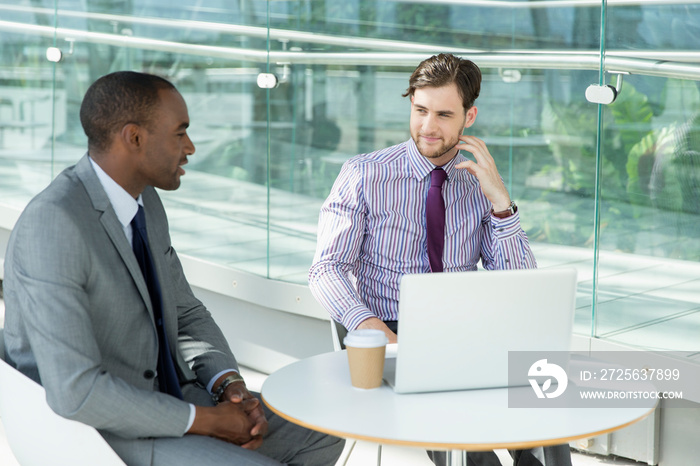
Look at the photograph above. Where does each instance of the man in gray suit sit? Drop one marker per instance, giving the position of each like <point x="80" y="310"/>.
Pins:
<point x="101" y="335"/>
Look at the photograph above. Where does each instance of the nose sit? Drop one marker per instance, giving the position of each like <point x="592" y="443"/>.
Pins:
<point x="189" y="145"/>
<point x="429" y="123"/>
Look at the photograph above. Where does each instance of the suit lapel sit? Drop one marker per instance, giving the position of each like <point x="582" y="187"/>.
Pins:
<point x="112" y="226"/>
<point x="158" y="240"/>
<point x="155" y="221"/>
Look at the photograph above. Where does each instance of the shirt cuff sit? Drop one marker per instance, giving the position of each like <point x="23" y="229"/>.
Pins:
<point x="355" y="317"/>
<point x="193" y="411"/>
<point x="210" y="385"/>
<point x="506" y="227"/>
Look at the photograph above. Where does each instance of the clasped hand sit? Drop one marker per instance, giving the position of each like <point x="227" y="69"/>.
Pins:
<point x="239" y="418"/>
<point x="238" y="394"/>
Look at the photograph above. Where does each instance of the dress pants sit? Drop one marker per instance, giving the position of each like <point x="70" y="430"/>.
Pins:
<point x="558" y="455"/>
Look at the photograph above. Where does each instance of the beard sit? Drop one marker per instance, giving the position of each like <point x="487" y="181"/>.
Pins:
<point x="434" y="151"/>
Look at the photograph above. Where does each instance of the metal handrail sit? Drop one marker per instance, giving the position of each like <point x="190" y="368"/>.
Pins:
<point x="641" y="62"/>
<point x="508" y="4"/>
<point x="243" y="30"/>
<point x="515" y="4"/>
<point x="387" y="45"/>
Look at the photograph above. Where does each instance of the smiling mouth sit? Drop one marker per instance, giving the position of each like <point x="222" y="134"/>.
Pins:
<point x="180" y="165"/>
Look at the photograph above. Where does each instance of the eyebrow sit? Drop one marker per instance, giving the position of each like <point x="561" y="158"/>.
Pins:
<point x="445" y="112"/>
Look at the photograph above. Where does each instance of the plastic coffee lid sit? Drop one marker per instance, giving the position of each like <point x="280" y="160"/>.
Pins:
<point x="365" y="338"/>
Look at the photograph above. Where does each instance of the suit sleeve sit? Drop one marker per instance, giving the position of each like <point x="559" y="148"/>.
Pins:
<point x="199" y="339"/>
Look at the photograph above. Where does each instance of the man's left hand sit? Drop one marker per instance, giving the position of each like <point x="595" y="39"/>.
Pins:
<point x="485" y="170"/>
<point x="237" y="392"/>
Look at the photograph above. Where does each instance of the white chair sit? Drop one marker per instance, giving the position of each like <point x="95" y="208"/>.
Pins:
<point x="37" y="435"/>
<point x="338" y="332"/>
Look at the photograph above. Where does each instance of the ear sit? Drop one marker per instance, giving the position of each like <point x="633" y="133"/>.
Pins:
<point x="470" y="117"/>
<point x="132" y="136"/>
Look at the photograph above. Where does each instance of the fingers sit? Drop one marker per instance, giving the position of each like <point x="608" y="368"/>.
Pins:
<point x="240" y="423"/>
<point x="473" y="140"/>
<point x="249" y="404"/>
<point x="469" y="166"/>
<point x="477" y="147"/>
<point x="375" y="323"/>
<point x="484" y="168"/>
<point x="260" y="426"/>
<point x="483" y="161"/>
<point x="254" y="444"/>
<point x="240" y="395"/>
<point x="255" y="413"/>
<point x="231" y="423"/>
<point x="237" y="392"/>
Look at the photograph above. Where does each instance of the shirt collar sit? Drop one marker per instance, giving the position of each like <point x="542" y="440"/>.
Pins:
<point x="123" y="204"/>
<point x="422" y="167"/>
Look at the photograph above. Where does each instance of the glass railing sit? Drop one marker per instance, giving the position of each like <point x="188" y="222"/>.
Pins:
<point x="611" y="190"/>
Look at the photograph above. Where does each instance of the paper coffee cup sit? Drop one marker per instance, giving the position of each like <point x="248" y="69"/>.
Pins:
<point x="366" y="348"/>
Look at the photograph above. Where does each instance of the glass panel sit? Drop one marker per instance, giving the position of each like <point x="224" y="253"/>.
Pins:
<point x="649" y="275"/>
<point x="266" y="159"/>
<point x="27" y="104"/>
<point x="342" y="67"/>
<point x="220" y="212"/>
<point x="341" y="96"/>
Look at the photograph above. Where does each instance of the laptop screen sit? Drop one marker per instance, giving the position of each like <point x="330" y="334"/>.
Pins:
<point x="455" y="329"/>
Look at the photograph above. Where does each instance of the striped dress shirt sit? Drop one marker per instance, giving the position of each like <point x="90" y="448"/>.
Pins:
<point x="372" y="231"/>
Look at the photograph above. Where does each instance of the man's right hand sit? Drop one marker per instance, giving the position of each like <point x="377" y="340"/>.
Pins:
<point x="226" y="421"/>
<point x="237" y="393"/>
<point x="376" y="323"/>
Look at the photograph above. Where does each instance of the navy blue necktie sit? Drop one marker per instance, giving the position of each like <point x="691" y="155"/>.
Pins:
<point x="435" y="219"/>
<point x="167" y="375"/>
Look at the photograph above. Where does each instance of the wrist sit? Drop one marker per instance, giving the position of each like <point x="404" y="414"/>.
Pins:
<point x="201" y="425"/>
<point x="371" y="322"/>
<point x="505" y="213"/>
<point x="220" y="389"/>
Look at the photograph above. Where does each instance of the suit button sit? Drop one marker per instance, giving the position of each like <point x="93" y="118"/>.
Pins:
<point x="149" y="374"/>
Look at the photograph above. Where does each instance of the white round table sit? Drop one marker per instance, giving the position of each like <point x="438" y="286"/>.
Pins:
<point x="316" y="393"/>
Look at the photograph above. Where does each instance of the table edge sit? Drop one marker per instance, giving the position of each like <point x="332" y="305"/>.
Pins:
<point x="455" y="446"/>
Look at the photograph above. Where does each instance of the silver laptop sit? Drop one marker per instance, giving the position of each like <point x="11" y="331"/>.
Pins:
<point x="455" y="329"/>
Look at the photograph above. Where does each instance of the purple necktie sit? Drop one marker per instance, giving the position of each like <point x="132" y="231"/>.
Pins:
<point x="435" y="219"/>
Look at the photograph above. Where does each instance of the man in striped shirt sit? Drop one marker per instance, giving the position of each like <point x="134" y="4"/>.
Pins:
<point x="372" y="226"/>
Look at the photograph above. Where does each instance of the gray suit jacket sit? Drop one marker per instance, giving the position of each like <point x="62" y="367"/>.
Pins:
<point x="79" y="317"/>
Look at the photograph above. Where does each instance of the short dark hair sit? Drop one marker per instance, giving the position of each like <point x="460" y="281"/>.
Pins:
<point x="445" y="69"/>
<point x="117" y="99"/>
